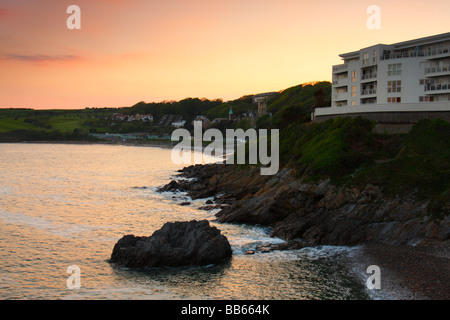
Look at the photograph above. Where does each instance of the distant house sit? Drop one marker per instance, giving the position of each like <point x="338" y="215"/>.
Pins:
<point x="248" y="114"/>
<point x="137" y="117"/>
<point x="206" y="123"/>
<point x="147" y="117"/>
<point x="168" y="119"/>
<point x="217" y="120"/>
<point x="119" y="117"/>
<point x="179" y="124"/>
<point x="261" y="100"/>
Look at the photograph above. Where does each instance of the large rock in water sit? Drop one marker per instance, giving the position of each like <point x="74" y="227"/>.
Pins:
<point x="175" y="244"/>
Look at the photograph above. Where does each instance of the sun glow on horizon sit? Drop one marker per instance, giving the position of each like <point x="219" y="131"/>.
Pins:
<point x="126" y="52"/>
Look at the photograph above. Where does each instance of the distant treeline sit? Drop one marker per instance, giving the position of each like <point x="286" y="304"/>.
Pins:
<point x="285" y="107"/>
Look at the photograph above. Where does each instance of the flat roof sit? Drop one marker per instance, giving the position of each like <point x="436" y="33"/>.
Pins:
<point x="405" y="44"/>
<point x="426" y="40"/>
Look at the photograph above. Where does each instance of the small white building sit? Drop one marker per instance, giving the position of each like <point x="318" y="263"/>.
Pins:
<point x="179" y="124"/>
<point x="147" y="118"/>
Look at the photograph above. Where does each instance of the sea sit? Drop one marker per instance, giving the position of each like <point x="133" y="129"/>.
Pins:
<point x="64" y="206"/>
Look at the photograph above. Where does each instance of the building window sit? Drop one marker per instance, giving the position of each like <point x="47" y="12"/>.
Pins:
<point x="341" y="103"/>
<point x="426" y="81"/>
<point x="365" y="59"/>
<point x="353" y="102"/>
<point x="426" y="99"/>
<point x="395" y="69"/>
<point x="374" y="56"/>
<point x="353" y="91"/>
<point x="394" y="86"/>
<point x="354" y="76"/>
<point x="394" y="100"/>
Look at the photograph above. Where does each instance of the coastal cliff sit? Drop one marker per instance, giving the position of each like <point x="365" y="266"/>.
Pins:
<point x="342" y="184"/>
<point x="319" y="213"/>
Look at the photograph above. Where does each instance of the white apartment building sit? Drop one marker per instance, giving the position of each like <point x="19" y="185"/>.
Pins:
<point x="410" y="72"/>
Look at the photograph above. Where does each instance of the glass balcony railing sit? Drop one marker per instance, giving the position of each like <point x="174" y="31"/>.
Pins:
<point x="369" y="76"/>
<point x="437" y="87"/>
<point x="366" y="92"/>
<point x="340" y="67"/>
<point x="419" y="53"/>
<point x="437" y="69"/>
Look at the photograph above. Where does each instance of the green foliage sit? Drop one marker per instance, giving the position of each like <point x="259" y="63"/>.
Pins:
<point x="43" y="122"/>
<point x="40" y="135"/>
<point x="295" y="104"/>
<point x="304" y="96"/>
<point x="421" y="166"/>
<point x="333" y="148"/>
<point x="348" y="152"/>
<point x="189" y="108"/>
<point x="238" y="106"/>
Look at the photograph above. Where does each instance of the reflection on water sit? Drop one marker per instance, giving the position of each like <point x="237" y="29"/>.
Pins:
<point x="63" y="205"/>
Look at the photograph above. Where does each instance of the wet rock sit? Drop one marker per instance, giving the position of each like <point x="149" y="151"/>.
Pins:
<point x="175" y="244"/>
<point x="171" y="186"/>
<point x="320" y="213"/>
<point x="288" y="245"/>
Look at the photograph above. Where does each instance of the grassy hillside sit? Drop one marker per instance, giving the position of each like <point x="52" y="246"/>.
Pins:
<point x="348" y="152"/>
<point x="288" y="106"/>
<point x="295" y="105"/>
<point x="28" y="124"/>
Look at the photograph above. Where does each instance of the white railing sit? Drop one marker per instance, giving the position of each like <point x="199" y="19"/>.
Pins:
<point x="340" y="67"/>
<point x="369" y="76"/>
<point x="437" y="69"/>
<point x="420" y="53"/>
<point x="437" y="87"/>
<point x="369" y="91"/>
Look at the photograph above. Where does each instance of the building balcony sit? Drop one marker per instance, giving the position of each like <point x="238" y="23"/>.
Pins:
<point x="367" y="92"/>
<point x="371" y="100"/>
<point x="340" y="68"/>
<point x="369" y="76"/>
<point x="343" y="82"/>
<point x="438" y="53"/>
<point x="431" y="54"/>
<point x="437" y="71"/>
<point x="340" y="96"/>
<point x="340" y="103"/>
<point x="441" y="88"/>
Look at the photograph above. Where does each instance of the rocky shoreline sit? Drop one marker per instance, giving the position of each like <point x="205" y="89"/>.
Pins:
<point x="311" y="214"/>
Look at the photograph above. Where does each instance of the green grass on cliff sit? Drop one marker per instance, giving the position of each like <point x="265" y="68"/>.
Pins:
<point x="421" y="167"/>
<point x="334" y="148"/>
<point x="348" y="152"/>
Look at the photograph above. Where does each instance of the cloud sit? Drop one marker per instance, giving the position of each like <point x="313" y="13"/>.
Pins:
<point x="41" y="58"/>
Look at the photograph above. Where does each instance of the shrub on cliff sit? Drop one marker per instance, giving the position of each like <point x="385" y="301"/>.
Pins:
<point x="422" y="166"/>
<point x="333" y="148"/>
<point x="347" y="151"/>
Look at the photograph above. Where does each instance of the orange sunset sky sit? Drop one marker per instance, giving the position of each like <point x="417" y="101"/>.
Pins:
<point x="142" y="50"/>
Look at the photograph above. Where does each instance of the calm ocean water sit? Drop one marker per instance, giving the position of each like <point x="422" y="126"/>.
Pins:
<point x="63" y="205"/>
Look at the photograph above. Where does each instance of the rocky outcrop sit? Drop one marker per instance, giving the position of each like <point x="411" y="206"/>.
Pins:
<point x="175" y="244"/>
<point x="316" y="213"/>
